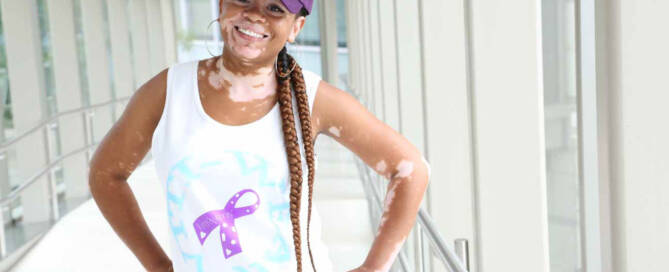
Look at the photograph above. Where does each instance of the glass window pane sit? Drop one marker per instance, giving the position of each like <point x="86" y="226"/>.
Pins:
<point x="307" y="46"/>
<point x="5" y="98"/>
<point x="311" y="33"/>
<point x="561" y="124"/>
<point x="342" y="50"/>
<point x="47" y="57"/>
<point x="107" y="32"/>
<point x="81" y="53"/>
<point x="132" y="49"/>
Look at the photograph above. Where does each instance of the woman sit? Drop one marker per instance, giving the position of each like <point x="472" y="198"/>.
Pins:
<point x="226" y="139"/>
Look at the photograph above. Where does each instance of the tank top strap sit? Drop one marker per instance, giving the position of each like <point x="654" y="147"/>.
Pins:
<point x="311" y="81"/>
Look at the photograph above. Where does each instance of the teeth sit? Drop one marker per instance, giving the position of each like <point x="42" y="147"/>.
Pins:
<point x="250" y="33"/>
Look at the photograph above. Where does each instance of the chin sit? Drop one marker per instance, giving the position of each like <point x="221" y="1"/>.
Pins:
<point x="246" y="52"/>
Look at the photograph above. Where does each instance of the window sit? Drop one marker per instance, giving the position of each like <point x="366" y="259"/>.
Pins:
<point x="81" y="53"/>
<point x="5" y="99"/>
<point x="562" y="134"/>
<point x="47" y="57"/>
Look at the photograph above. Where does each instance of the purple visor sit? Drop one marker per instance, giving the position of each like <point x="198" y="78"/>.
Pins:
<point x="294" y="6"/>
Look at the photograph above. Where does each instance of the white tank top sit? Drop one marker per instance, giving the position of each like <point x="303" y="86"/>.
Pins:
<point x="228" y="186"/>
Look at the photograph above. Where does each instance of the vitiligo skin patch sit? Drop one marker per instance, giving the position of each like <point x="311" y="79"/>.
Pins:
<point x="404" y="169"/>
<point x="335" y="131"/>
<point x="381" y="166"/>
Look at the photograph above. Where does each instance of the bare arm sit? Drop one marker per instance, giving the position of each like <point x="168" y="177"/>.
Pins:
<point x="117" y="156"/>
<point x="342" y="117"/>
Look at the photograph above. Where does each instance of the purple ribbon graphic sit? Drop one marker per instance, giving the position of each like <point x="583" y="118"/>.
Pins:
<point x="225" y="219"/>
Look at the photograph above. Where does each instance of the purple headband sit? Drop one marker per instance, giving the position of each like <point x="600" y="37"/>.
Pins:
<point x="294" y="6"/>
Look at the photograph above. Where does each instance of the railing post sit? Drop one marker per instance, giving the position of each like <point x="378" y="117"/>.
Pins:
<point x="88" y="134"/>
<point x="50" y="176"/>
<point x="462" y="251"/>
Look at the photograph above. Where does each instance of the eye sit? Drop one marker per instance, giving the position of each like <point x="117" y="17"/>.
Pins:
<point x="242" y="1"/>
<point x="275" y="8"/>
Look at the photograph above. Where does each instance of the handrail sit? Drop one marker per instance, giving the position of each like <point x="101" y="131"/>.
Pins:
<point x="17" y="191"/>
<point x="437" y="241"/>
<point x="6" y="145"/>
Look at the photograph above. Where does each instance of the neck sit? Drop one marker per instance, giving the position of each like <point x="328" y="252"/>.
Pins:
<point x="241" y="73"/>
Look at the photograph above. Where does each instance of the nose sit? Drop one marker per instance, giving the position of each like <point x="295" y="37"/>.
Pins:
<point x="254" y="14"/>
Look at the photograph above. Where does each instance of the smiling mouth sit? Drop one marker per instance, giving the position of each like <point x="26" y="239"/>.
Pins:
<point x="250" y="33"/>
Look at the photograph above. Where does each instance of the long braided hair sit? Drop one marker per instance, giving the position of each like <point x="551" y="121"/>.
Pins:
<point x="286" y="78"/>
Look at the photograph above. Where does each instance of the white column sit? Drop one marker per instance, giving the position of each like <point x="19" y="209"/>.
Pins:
<point x="375" y="57"/>
<point x="328" y="30"/>
<point x="448" y="119"/>
<point x="388" y="52"/>
<point x="637" y="65"/>
<point x="68" y="95"/>
<point x="155" y="33"/>
<point x="140" y="41"/>
<point x="410" y="71"/>
<point x="365" y="87"/>
<point x="369" y="68"/>
<point x="97" y="63"/>
<point x="26" y="79"/>
<point x="509" y="136"/>
<point x="169" y="31"/>
<point x="352" y="44"/>
<point x="119" y="32"/>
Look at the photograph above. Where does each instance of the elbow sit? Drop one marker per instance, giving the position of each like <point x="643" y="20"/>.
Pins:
<point x="417" y="170"/>
<point x="101" y="178"/>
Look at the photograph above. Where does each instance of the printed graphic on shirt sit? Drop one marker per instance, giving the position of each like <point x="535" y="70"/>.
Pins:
<point x="188" y="174"/>
<point x="225" y="220"/>
<point x="175" y="202"/>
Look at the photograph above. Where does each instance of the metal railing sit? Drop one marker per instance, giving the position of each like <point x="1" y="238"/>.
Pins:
<point x="52" y="164"/>
<point x="457" y="261"/>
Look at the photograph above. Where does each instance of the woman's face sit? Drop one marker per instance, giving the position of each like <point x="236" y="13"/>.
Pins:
<point x="256" y="30"/>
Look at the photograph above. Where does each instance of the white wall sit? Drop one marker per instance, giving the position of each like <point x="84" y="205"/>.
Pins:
<point x="638" y="94"/>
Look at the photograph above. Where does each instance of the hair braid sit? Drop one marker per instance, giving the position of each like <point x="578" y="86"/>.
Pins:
<point x="307" y="139"/>
<point x="296" y="79"/>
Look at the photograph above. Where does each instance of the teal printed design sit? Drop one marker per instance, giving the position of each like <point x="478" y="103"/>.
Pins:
<point x="281" y="253"/>
<point x="178" y="229"/>
<point x="277" y="211"/>
<point x="249" y="164"/>
<point x="261" y="167"/>
<point x="257" y="267"/>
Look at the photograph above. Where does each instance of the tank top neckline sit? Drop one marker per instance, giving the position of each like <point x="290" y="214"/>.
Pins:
<point x="214" y="122"/>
